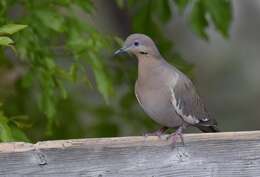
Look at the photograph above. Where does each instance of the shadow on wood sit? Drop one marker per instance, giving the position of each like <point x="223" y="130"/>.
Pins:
<point x="214" y="154"/>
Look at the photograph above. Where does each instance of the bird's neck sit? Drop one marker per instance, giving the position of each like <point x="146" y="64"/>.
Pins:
<point x="147" y="66"/>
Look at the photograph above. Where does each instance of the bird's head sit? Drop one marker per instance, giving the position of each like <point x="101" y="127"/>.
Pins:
<point x="139" y="45"/>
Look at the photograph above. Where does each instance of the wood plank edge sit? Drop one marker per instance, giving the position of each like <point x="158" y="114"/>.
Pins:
<point x="125" y="141"/>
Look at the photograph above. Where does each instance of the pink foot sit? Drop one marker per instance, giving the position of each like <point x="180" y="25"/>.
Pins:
<point x="157" y="133"/>
<point x="174" y="136"/>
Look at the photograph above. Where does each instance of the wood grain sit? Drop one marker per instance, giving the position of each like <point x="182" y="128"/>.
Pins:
<point x="229" y="154"/>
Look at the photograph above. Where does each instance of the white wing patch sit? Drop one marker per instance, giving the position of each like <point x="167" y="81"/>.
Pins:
<point x="187" y="118"/>
<point x="136" y="95"/>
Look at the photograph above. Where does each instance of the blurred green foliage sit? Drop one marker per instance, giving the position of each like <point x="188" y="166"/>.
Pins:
<point x="218" y="11"/>
<point x="58" y="57"/>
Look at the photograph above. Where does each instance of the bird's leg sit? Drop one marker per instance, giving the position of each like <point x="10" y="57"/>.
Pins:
<point x="157" y="133"/>
<point x="174" y="136"/>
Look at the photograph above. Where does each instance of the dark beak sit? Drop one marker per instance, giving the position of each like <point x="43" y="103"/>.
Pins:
<point x="119" y="51"/>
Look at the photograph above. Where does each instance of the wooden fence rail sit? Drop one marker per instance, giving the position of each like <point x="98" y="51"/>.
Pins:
<point x="228" y="154"/>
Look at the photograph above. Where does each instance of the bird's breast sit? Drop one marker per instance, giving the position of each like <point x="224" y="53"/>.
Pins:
<point x="155" y="99"/>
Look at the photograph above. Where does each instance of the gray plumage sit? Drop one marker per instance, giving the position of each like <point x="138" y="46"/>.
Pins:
<point x="164" y="92"/>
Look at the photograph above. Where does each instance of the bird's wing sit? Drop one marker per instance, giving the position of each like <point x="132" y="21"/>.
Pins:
<point x="137" y="96"/>
<point x="188" y="104"/>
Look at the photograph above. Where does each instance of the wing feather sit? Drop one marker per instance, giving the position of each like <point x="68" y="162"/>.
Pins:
<point x="188" y="104"/>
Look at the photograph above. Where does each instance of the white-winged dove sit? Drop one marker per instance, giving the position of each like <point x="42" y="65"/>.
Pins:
<point x="164" y="92"/>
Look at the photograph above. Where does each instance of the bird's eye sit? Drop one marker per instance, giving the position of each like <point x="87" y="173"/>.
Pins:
<point x="136" y="43"/>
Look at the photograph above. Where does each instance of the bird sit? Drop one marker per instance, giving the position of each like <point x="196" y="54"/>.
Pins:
<point x="166" y="94"/>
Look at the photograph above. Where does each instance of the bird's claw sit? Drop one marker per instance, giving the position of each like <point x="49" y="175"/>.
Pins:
<point x="174" y="136"/>
<point x="157" y="133"/>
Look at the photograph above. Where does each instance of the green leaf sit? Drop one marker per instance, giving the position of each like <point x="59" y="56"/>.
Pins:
<point x="47" y="98"/>
<point x="76" y="43"/>
<point x="11" y="28"/>
<point x="63" y="91"/>
<point x="63" y="2"/>
<point x="17" y="134"/>
<point x="181" y="4"/>
<point x="50" y="64"/>
<point x="220" y="12"/>
<point x="5" y="130"/>
<point x="3" y="6"/>
<point x="5" y="41"/>
<point x="143" y="18"/>
<point x="118" y="41"/>
<point x="104" y="84"/>
<point x="21" y="121"/>
<point x="27" y="80"/>
<point x="164" y="10"/>
<point x="9" y="130"/>
<point x="48" y="103"/>
<point x="86" y="5"/>
<point x="50" y="19"/>
<point x="198" y="20"/>
<point x="74" y="72"/>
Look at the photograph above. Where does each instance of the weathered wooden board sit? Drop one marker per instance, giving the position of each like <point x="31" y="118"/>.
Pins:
<point x="229" y="154"/>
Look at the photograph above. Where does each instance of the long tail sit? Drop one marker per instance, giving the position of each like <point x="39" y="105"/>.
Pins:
<point x="208" y="129"/>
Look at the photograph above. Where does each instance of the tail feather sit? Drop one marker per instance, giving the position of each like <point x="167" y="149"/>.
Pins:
<point x="208" y="129"/>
